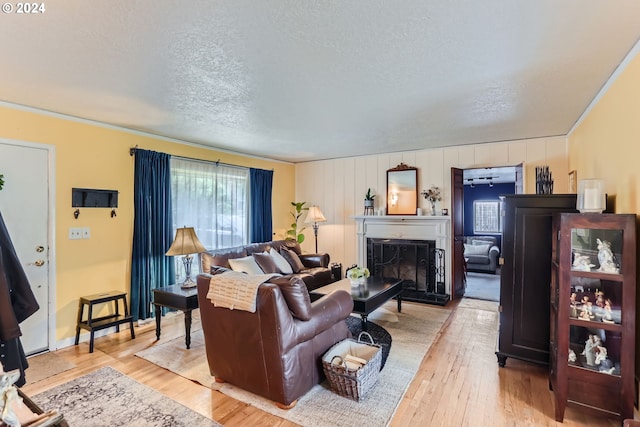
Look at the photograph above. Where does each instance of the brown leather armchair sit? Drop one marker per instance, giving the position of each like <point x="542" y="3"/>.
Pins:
<point x="276" y="351"/>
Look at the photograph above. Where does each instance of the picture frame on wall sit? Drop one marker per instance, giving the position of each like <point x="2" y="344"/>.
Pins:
<point x="573" y="182"/>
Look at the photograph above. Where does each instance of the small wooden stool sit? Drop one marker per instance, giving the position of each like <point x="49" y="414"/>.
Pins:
<point x="104" y="322"/>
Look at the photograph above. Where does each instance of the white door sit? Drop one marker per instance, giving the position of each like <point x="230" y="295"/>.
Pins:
<point x="24" y="204"/>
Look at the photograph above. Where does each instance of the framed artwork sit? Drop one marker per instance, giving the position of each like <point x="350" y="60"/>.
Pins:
<point x="573" y="182"/>
<point x="486" y="217"/>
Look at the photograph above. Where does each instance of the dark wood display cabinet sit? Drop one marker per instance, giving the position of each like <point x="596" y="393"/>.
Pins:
<point x="592" y="309"/>
<point x="526" y="273"/>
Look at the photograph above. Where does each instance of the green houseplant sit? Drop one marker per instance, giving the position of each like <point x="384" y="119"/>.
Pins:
<point x="369" y="201"/>
<point x="294" y="232"/>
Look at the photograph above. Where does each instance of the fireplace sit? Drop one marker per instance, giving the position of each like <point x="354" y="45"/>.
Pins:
<point x="428" y="277"/>
<point x="418" y="263"/>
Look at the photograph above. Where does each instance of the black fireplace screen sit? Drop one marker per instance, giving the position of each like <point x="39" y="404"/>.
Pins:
<point x="417" y="262"/>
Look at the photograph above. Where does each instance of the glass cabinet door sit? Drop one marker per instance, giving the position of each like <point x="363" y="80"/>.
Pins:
<point x="595" y="300"/>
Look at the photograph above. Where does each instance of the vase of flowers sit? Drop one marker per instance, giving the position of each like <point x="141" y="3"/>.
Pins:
<point x="357" y="275"/>
<point x="433" y="196"/>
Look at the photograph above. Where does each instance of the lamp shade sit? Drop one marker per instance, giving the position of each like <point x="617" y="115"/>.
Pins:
<point x="314" y="215"/>
<point x="186" y="242"/>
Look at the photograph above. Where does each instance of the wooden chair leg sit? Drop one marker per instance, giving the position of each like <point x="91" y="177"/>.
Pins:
<point x="286" y="407"/>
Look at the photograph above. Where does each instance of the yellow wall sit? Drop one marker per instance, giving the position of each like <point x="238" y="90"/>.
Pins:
<point x="606" y="144"/>
<point x="91" y="156"/>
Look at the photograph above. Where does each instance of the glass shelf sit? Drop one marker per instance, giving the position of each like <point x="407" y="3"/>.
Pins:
<point x="596" y="250"/>
<point x="595" y="300"/>
<point x="595" y="349"/>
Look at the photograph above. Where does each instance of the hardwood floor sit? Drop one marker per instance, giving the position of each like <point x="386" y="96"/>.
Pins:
<point x="459" y="382"/>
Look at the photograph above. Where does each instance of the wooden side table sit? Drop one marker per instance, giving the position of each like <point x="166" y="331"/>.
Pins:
<point x="179" y="299"/>
<point x="92" y="325"/>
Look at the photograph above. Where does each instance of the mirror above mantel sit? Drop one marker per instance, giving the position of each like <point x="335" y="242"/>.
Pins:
<point x="402" y="190"/>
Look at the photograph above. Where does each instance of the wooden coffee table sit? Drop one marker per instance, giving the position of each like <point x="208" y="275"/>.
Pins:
<point x="366" y="298"/>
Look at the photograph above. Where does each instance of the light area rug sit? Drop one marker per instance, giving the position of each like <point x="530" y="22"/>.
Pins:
<point x="477" y="304"/>
<point x="45" y="365"/>
<point x="107" y="397"/>
<point x="483" y="286"/>
<point x="413" y="331"/>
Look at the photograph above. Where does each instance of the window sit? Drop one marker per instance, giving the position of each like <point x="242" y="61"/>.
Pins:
<point x="486" y="217"/>
<point x="214" y="200"/>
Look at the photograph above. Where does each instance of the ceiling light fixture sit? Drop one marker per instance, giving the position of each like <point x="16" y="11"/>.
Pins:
<point x="491" y="183"/>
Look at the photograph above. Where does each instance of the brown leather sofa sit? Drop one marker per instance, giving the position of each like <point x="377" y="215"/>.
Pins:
<point x="275" y="352"/>
<point x="315" y="271"/>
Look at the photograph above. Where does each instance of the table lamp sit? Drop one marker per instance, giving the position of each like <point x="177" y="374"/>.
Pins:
<point x="315" y="216"/>
<point x="186" y="243"/>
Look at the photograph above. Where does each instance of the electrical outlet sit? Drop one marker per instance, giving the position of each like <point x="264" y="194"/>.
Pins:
<point x="86" y="233"/>
<point x="75" y="233"/>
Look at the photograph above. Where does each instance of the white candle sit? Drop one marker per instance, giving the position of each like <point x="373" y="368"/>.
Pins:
<point x="591" y="199"/>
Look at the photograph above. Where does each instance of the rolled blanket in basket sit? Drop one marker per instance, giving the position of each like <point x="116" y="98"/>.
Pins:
<point x="235" y="290"/>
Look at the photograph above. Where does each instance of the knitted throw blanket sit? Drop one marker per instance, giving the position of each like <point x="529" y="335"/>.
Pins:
<point x="235" y="290"/>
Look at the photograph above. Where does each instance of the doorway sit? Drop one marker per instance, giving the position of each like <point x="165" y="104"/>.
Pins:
<point x="482" y="227"/>
<point x="26" y="207"/>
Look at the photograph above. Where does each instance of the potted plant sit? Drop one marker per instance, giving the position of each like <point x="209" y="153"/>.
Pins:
<point x="357" y="275"/>
<point x="369" y="201"/>
<point x="294" y="232"/>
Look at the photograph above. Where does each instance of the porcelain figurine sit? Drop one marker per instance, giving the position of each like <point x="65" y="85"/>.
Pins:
<point x="605" y="258"/>
<point x="581" y="262"/>
<point x="604" y="363"/>
<point x="573" y="309"/>
<point x="589" y="351"/>
<point x="586" y="311"/>
<point x="608" y="312"/>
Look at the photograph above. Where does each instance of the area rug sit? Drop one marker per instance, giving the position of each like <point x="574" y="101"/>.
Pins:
<point x="108" y="398"/>
<point x="483" y="286"/>
<point x="46" y="365"/>
<point x="413" y="332"/>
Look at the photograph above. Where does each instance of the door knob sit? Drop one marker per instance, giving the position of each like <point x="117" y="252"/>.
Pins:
<point x="39" y="248"/>
<point x="39" y="263"/>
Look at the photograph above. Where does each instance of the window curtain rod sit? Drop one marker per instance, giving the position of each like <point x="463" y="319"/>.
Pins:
<point x="132" y="152"/>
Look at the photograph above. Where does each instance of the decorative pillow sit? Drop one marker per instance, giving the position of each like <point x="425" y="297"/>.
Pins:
<point x="474" y="249"/>
<point x="296" y="295"/>
<point x="246" y="265"/>
<point x="281" y="264"/>
<point x="481" y="242"/>
<point x="293" y="259"/>
<point x="265" y="262"/>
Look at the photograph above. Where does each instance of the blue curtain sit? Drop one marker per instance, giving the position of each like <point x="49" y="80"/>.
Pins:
<point x="261" y="216"/>
<point x="152" y="233"/>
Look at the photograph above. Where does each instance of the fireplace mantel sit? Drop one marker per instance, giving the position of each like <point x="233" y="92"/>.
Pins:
<point x="436" y="228"/>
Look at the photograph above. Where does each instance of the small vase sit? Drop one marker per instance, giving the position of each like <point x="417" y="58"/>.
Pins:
<point x="433" y="208"/>
<point x="357" y="282"/>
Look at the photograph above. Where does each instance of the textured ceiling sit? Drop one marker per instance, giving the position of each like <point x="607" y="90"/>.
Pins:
<point x="300" y="80"/>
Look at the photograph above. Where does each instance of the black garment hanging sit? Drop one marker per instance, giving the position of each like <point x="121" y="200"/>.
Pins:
<point x="17" y="303"/>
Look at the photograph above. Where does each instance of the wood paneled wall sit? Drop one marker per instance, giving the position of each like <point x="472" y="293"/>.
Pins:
<point x="338" y="186"/>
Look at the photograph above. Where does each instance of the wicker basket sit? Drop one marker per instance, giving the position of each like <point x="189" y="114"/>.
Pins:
<point x="352" y="383"/>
